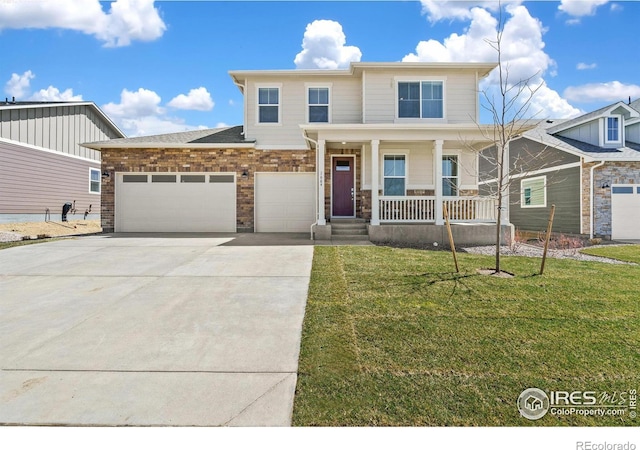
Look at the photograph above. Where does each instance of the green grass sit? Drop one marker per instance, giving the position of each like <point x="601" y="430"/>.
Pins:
<point x="4" y="245"/>
<point x="394" y="337"/>
<point x="628" y="253"/>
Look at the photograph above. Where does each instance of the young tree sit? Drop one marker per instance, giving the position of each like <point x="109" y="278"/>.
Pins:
<point x="509" y="106"/>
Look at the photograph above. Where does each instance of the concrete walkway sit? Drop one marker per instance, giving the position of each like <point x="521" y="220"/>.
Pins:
<point x="131" y="330"/>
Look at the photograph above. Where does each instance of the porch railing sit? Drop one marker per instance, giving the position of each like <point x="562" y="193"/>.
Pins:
<point x="422" y="209"/>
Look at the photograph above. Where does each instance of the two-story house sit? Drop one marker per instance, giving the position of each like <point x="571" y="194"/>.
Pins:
<point x="387" y="144"/>
<point x="42" y="164"/>
<point x="589" y="167"/>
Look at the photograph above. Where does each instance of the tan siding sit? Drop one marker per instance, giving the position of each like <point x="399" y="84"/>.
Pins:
<point x="32" y="180"/>
<point x="460" y="94"/>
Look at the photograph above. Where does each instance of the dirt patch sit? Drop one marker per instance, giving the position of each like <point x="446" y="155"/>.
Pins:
<point x="52" y="229"/>
<point x="493" y="273"/>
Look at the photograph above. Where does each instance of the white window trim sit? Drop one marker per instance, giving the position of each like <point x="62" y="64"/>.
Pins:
<point x="405" y="79"/>
<point x="272" y="86"/>
<point x="91" y="170"/>
<point x="606" y="129"/>
<point x="328" y="86"/>
<point x="544" y="192"/>
<point x="406" y="171"/>
<point x="458" y="177"/>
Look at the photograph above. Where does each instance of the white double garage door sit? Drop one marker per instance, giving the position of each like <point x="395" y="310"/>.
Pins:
<point x="625" y="211"/>
<point x="206" y="202"/>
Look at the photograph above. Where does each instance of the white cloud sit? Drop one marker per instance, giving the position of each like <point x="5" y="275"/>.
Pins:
<point x="612" y="91"/>
<point x="139" y="114"/>
<point x="126" y="21"/>
<point x="522" y="53"/>
<point x="585" y="66"/>
<point x="141" y="103"/>
<point x="53" y="94"/>
<point x="437" y="10"/>
<point x="615" y="7"/>
<point x="579" y="8"/>
<point x="18" y="85"/>
<point x="323" y="47"/>
<point x="197" y="99"/>
<point x="221" y="125"/>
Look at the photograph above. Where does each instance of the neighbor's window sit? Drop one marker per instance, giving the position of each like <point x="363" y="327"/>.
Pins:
<point x="318" y="105"/>
<point x="613" y="129"/>
<point x="421" y="99"/>
<point x="533" y="192"/>
<point x="268" y="105"/>
<point x="450" y="176"/>
<point x="394" y="175"/>
<point x="94" y="181"/>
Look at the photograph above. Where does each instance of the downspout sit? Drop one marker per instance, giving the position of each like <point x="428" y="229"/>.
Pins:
<point x="307" y="138"/>
<point x="591" y="197"/>
<point x="243" y="89"/>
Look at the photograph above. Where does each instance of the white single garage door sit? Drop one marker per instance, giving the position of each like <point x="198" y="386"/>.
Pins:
<point x="175" y="202"/>
<point x="285" y="202"/>
<point x="625" y="211"/>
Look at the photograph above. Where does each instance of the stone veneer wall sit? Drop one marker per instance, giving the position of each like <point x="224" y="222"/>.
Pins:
<point x="611" y="173"/>
<point x="202" y="160"/>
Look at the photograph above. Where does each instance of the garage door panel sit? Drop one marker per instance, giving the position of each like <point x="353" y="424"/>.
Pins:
<point x="176" y="207"/>
<point x="625" y="211"/>
<point x="285" y="202"/>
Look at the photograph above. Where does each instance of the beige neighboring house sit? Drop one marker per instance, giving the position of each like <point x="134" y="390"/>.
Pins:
<point x="377" y="149"/>
<point x="42" y="164"/>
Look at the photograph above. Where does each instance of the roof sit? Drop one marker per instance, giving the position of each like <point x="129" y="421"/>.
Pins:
<point x="356" y="68"/>
<point x="211" y="137"/>
<point x="542" y="134"/>
<point x="12" y="104"/>
<point x="565" y="125"/>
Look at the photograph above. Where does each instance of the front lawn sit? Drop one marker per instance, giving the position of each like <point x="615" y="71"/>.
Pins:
<point x="628" y="253"/>
<point x="395" y="337"/>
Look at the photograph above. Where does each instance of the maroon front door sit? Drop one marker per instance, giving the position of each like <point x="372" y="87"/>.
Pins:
<point x="343" y="189"/>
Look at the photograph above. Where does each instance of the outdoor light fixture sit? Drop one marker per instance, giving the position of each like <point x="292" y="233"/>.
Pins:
<point x="605" y="185"/>
<point x="245" y="174"/>
<point x="105" y="174"/>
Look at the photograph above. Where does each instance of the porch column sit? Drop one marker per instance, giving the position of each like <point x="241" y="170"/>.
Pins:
<point x="320" y="169"/>
<point x="375" y="176"/>
<point x="504" y="205"/>
<point x="437" y="179"/>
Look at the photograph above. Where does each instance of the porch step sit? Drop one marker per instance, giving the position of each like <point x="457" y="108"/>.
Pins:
<point x="349" y="230"/>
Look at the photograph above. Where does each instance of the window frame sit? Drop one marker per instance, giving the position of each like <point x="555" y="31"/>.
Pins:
<point x="420" y="81"/>
<point x="457" y="177"/>
<point x="619" y="129"/>
<point x="93" y="170"/>
<point x="523" y="188"/>
<point x="277" y="86"/>
<point x="404" y="177"/>
<point x="308" y="105"/>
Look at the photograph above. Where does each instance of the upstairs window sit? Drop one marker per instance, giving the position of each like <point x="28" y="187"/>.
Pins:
<point x="318" y="105"/>
<point x="269" y="105"/>
<point x="421" y="99"/>
<point x="613" y="129"/>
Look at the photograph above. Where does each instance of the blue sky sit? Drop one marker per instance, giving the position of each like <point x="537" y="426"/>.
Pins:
<point x="162" y="66"/>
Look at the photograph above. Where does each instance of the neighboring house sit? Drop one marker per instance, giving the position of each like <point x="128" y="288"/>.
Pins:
<point x="589" y="167"/>
<point x="383" y="143"/>
<point x="43" y="166"/>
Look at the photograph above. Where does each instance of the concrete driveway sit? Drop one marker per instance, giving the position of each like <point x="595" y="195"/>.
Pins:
<point x="130" y="330"/>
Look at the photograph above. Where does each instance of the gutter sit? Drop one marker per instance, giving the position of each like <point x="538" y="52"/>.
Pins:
<point x="591" y="197"/>
<point x="311" y="141"/>
<point x="243" y="89"/>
